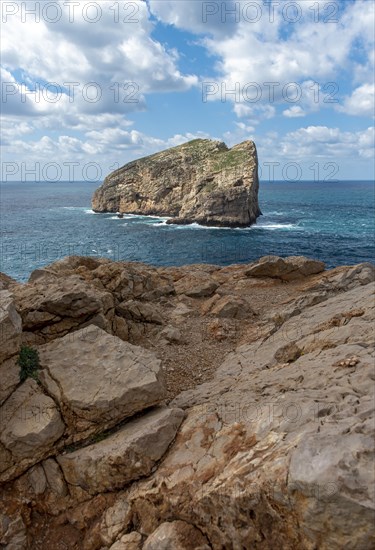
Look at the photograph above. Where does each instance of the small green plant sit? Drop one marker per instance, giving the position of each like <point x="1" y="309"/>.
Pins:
<point x="28" y="360"/>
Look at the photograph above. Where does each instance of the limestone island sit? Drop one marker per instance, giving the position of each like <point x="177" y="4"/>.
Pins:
<point x="202" y="181"/>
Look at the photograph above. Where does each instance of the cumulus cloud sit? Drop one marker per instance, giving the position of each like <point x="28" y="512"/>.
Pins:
<point x="294" y="112"/>
<point x="360" y="102"/>
<point x="331" y="143"/>
<point x="96" y="68"/>
<point x="264" y="46"/>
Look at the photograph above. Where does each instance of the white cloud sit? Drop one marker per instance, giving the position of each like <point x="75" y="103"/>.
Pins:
<point x="361" y="102"/>
<point x="107" y="53"/>
<point x="324" y="142"/>
<point x="294" y="112"/>
<point x="254" y="112"/>
<point x="317" y="49"/>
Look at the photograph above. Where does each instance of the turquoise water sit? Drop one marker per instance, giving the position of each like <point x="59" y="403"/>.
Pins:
<point x="42" y="222"/>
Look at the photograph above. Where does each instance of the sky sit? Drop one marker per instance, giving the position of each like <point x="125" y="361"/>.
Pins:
<point x="88" y="86"/>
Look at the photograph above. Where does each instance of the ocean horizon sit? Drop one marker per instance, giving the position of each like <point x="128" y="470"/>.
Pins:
<point x="42" y="222"/>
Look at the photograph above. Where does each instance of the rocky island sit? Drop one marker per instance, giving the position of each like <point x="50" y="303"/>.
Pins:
<point x="191" y="408"/>
<point x="200" y="181"/>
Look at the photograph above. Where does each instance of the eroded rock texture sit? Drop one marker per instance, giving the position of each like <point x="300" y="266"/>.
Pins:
<point x="226" y="408"/>
<point x="200" y="181"/>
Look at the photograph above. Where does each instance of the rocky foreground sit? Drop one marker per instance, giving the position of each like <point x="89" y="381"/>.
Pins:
<point x="188" y="408"/>
<point x="200" y="181"/>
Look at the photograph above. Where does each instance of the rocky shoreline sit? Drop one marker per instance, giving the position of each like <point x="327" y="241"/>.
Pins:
<point x="189" y="407"/>
<point x="201" y="181"/>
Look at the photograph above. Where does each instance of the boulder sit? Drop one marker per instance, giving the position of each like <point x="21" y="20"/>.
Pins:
<point x="231" y="307"/>
<point x="197" y="285"/>
<point x="172" y="335"/>
<point x="286" y="269"/>
<point x="102" y="380"/>
<point x="176" y="535"/>
<point x="64" y="304"/>
<point x="124" y="456"/>
<point x="116" y="520"/>
<point x="347" y="278"/>
<point x="6" y="282"/>
<point x="10" y="326"/>
<point x="131" y="541"/>
<point x="31" y="424"/>
<point x="140" y="312"/>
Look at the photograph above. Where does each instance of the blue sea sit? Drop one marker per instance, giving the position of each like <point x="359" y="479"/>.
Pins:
<point x="43" y="222"/>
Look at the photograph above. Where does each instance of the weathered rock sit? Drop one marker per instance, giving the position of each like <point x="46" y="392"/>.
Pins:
<point x="13" y="533"/>
<point x="6" y="281"/>
<point x="124" y="456"/>
<point x="172" y="335"/>
<point x="10" y="378"/>
<point x="140" y="311"/>
<point x="200" y="181"/>
<point x="279" y="443"/>
<point x="344" y="278"/>
<point x="102" y="379"/>
<point x="286" y="269"/>
<point x="31" y="424"/>
<point x="277" y="447"/>
<point x="231" y="307"/>
<point x="63" y="304"/>
<point x="116" y="520"/>
<point x="132" y="541"/>
<point x="176" y="535"/>
<point x="10" y="326"/>
<point x="196" y="285"/>
<point x="54" y="477"/>
<point x="181" y="311"/>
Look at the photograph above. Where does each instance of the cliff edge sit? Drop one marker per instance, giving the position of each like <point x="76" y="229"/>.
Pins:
<point x="202" y="181"/>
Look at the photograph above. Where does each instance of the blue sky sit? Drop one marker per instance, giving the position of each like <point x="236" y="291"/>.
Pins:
<point x="104" y="82"/>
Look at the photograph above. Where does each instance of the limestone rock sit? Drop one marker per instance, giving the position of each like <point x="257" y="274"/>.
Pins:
<point x="116" y="519"/>
<point x="344" y="278"/>
<point x="176" y="535"/>
<point x="63" y="304"/>
<point x="10" y="326"/>
<point x="197" y="285"/>
<point x="10" y="378"/>
<point x="200" y="181"/>
<point x="172" y="335"/>
<point x="139" y="311"/>
<point x="125" y="455"/>
<point x="102" y="379"/>
<point x="286" y="269"/>
<point x="6" y="282"/>
<point x="279" y="444"/>
<point x="13" y="533"/>
<point x="132" y="541"/>
<point x="31" y="424"/>
<point x="54" y="477"/>
<point x="231" y="307"/>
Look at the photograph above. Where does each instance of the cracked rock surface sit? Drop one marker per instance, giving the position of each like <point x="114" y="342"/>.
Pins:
<point x="224" y="408"/>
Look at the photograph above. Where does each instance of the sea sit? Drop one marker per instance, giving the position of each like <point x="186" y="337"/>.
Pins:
<point x="44" y="222"/>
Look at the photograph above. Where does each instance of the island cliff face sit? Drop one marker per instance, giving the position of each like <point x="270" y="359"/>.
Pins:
<point x="201" y="181"/>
